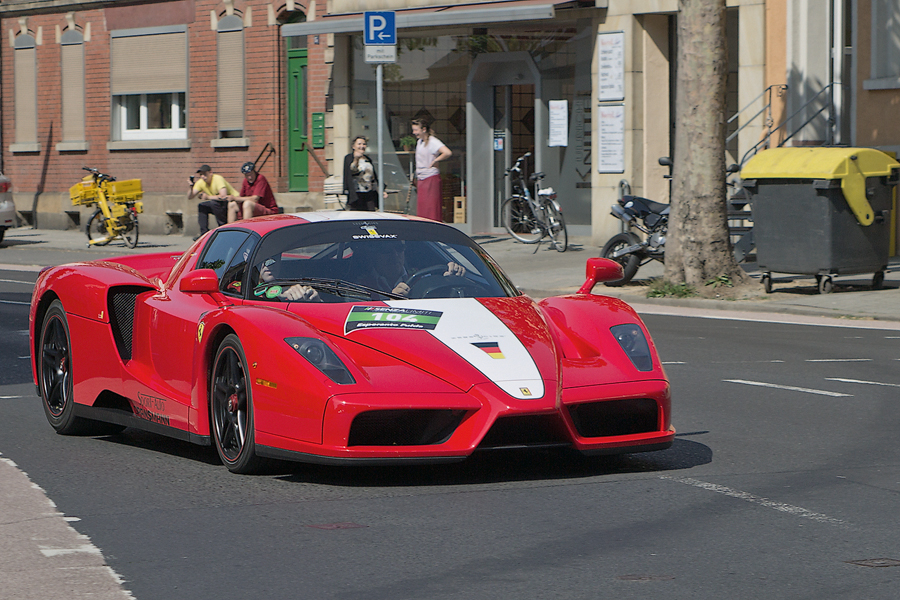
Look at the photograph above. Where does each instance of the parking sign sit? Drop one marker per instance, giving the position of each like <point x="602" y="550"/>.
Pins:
<point x="380" y="28"/>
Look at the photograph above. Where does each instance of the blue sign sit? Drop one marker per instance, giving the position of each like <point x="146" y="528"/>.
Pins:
<point x="380" y="28"/>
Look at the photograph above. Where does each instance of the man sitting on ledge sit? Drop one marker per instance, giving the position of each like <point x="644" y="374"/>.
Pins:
<point x="256" y="198"/>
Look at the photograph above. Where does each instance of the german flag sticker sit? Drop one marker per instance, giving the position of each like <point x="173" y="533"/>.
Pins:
<point x="492" y="349"/>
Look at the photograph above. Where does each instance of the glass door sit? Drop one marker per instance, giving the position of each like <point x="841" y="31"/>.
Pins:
<point x="513" y="136"/>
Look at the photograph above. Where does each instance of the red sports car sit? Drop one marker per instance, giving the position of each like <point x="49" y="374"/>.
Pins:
<point x="342" y="337"/>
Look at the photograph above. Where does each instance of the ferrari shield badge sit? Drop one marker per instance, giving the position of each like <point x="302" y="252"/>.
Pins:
<point x="386" y="317"/>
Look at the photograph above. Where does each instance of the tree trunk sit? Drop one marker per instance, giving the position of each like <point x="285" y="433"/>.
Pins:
<point x="698" y="248"/>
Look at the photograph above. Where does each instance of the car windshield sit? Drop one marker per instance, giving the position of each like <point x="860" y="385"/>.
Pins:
<point x="356" y="260"/>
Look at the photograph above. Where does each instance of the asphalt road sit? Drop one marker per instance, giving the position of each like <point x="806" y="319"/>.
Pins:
<point x="783" y="482"/>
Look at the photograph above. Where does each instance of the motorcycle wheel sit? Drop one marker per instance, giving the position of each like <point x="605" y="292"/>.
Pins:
<point x="629" y="262"/>
<point x="96" y="229"/>
<point x="520" y="221"/>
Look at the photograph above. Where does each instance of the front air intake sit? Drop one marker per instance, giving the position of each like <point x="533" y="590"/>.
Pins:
<point x="615" y="417"/>
<point x="404" y="427"/>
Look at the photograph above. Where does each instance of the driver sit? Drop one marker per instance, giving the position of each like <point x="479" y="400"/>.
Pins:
<point x="296" y="293"/>
<point x="386" y="269"/>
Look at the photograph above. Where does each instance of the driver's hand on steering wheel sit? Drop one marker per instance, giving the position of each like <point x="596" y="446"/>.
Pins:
<point x="300" y="293"/>
<point x="402" y="289"/>
<point x="455" y="269"/>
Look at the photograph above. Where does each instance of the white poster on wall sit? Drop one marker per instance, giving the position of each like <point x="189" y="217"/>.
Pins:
<point x="559" y="123"/>
<point x="611" y="66"/>
<point x="611" y="138"/>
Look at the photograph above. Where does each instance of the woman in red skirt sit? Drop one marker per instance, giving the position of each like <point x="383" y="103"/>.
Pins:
<point x="429" y="152"/>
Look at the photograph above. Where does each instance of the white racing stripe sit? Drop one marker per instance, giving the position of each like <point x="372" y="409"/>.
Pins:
<point x="797" y="511"/>
<point x="861" y="381"/>
<point x="470" y="329"/>
<point x="789" y="388"/>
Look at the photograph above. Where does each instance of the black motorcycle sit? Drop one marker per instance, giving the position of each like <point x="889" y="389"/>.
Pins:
<point x="628" y="249"/>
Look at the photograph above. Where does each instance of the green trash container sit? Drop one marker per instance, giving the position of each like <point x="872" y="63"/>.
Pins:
<point x="821" y="211"/>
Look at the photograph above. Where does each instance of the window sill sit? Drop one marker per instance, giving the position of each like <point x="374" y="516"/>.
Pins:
<point x="149" y="145"/>
<point x="883" y="83"/>
<point x="25" y="147"/>
<point x="230" y="143"/>
<point x="72" y="147"/>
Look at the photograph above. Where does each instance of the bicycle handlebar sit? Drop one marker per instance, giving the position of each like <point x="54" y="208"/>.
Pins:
<point x="96" y="173"/>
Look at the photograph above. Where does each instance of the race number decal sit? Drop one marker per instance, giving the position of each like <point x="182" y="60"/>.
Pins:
<point x="371" y="317"/>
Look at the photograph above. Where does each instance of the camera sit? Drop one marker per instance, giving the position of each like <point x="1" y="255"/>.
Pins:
<point x="192" y="177"/>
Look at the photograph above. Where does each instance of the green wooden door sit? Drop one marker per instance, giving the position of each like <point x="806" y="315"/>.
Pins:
<point x="298" y="156"/>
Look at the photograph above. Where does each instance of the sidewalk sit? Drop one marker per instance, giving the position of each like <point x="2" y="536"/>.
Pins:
<point x="539" y="271"/>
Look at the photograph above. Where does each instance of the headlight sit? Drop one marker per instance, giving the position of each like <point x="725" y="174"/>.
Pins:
<point x="321" y="357"/>
<point x="635" y="345"/>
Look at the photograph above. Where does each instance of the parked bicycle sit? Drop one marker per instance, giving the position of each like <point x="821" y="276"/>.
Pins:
<point x="118" y="205"/>
<point x="530" y="217"/>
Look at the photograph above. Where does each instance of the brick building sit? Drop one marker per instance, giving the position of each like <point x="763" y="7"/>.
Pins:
<point x="152" y="90"/>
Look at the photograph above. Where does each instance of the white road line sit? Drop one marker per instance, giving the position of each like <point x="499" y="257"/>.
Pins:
<point x="789" y="388"/>
<point x="797" y="511"/>
<point x="862" y="381"/>
<point x="674" y="362"/>
<point x="9" y="397"/>
<point x="24" y="268"/>
<point x="31" y="283"/>
<point x="839" y="360"/>
<point x="14" y="302"/>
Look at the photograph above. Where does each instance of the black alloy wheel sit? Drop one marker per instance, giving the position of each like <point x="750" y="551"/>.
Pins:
<point x="231" y="408"/>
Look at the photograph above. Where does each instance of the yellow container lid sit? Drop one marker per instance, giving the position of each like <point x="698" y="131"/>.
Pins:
<point x="849" y="165"/>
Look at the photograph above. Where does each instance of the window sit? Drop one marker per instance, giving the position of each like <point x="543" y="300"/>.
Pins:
<point x="148" y="82"/>
<point x="72" y="78"/>
<point x="230" y="76"/>
<point x="885" y="44"/>
<point x="25" y="81"/>
<point x="151" y="116"/>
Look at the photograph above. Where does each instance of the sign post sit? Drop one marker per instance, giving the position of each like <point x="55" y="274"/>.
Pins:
<point x="380" y="38"/>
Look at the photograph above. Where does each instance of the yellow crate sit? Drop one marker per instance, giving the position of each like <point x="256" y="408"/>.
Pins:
<point x="124" y="191"/>
<point x="84" y="192"/>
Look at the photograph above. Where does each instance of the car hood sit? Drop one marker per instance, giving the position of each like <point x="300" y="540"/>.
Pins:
<point x="464" y="341"/>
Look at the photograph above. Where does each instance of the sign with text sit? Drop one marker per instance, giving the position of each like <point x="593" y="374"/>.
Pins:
<point x="611" y="139"/>
<point x="381" y="54"/>
<point x="380" y="28"/>
<point x="611" y="66"/>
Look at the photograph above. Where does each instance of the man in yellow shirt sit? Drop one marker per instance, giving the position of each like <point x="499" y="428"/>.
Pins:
<point x="215" y="193"/>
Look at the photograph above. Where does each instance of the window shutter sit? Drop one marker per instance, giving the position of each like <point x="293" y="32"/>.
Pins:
<point x="230" y="88"/>
<point x="153" y="63"/>
<point x="26" y="96"/>
<point x="73" y="92"/>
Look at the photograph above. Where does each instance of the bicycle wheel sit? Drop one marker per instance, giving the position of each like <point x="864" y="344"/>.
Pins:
<point x="96" y="229"/>
<point x="519" y="220"/>
<point x="130" y="235"/>
<point x="556" y="227"/>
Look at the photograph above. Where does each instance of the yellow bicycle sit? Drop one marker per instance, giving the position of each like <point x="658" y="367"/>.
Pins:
<point x="118" y="205"/>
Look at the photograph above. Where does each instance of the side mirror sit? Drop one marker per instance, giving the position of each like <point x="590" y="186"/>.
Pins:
<point x="201" y="281"/>
<point x="599" y="270"/>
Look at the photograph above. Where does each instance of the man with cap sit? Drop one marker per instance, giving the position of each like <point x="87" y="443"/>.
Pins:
<point x="215" y="193"/>
<point x="256" y="198"/>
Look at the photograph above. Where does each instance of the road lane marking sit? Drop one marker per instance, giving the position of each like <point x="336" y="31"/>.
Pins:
<point x="838" y="360"/>
<point x="861" y="381"/>
<point x="31" y="283"/>
<point x="789" y="388"/>
<point x="9" y="397"/>
<point x="674" y="362"/>
<point x="15" y="302"/>
<point x="790" y="509"/>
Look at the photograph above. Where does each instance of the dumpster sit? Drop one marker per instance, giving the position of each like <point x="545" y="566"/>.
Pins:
<point x="821" y="211"/>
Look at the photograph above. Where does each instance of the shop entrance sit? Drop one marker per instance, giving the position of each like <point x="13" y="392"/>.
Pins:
<point x="513" y="136"/>
<point x="505" y="115"/>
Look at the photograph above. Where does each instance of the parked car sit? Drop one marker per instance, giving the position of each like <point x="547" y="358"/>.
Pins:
<point x="342" y="337"/>
<point x="7" y="207"/>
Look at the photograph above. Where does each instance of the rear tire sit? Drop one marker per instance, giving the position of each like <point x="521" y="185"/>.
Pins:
<point x="520" y="221"/>
<point x="55" y="378"/>
<point x="96" y="228"/>
<point x="629" y="262"/>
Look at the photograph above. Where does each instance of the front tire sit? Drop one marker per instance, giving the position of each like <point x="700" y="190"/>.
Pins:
<point x="519" y="220"/>
<point x="231" y="409"/>
<point x="557" y="225"/>
<point x="96" y="229"/>
<point x="130" y="235"/>
<point x="629" y="262"/>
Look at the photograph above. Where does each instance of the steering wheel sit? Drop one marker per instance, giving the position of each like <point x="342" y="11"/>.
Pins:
<point x="428" y="280"/>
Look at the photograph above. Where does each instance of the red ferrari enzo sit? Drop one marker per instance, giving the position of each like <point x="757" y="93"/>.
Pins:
<point x="342" y="337"/>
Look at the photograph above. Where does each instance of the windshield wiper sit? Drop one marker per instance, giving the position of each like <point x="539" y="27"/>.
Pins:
<point x="338" y="287"/>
